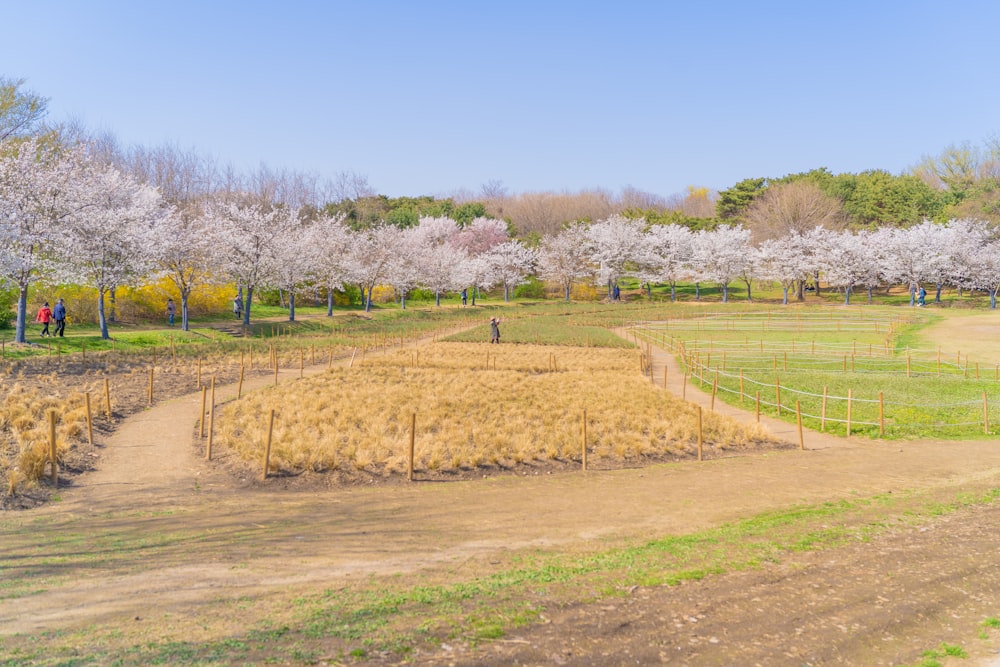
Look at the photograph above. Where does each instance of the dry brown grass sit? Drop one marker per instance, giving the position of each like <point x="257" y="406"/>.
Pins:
<point x="467" y="417"/>
<point x="24" y="428"/>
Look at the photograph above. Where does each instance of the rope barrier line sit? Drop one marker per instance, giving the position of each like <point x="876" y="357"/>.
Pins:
<point x="695" y="356"/>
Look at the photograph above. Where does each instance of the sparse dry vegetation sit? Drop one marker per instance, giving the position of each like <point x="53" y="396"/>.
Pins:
<point x="476" y="407"/>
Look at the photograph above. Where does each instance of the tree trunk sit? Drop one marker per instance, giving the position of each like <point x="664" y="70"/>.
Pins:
<point x="184" y="311"/>
<point x="847" y="295"/>
<point x="673" y="291"/>
<point x="800" y="290"/>
<point x="329" y="302"/>
<point x="246" y="309"/>
<point x="697" y="291"/>
<point x="748" y="289"/>
<point x="22" y="315"/>
<point x="725" y="292"/>
<point x="816" y="277"/>
<point x="784" y="298"/>
<point x="913" y="294"/>
<point x="569" y="285"/>
<point x="291" y="306"/>
<point x="437" y="299"/>
<point x="937" y="296"/>
<point x="101" y="319"/>
<point x="113" y="315"/>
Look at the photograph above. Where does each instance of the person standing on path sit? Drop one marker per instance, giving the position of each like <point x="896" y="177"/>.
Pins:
<point x="59" y="315"/>
<point x="237" y="307"/>
<point x="171" y="311"/>
<point x="44" y="316"/>
<point x="494" y="330"/>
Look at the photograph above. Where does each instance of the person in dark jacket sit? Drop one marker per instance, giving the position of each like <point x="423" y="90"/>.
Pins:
<point x="494" y="330"/>
<point x="59" y="315"/>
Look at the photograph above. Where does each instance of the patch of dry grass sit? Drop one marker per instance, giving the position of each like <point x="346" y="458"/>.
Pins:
<point x="24" y="432"/>
<point x="528" y="409"/>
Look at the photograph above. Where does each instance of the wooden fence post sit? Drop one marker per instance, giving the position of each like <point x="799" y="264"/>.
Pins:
<point x="413" y="437"/>
<point x="583" y="437"/>
<point x="881" y="415"/>
<point x="849" y="412"/>
<point x="798" y="418"/>
<point x="267" y="448"/>
<point x="52" y="449"/>
<point x="700" y="433"/>
<point x="201" y="420"/>
<point x="822" y="412"/>
<point x="107" y="397"/>
<point x="150" y="386"/>
<point x="211" y="420"/>
<point x="777" y="393"/>
<point x="90" y="422"/>
<point x="715" y="388"/>
<point x="986" y="415"/>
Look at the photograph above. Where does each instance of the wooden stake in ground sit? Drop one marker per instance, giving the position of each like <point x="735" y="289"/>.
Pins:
<point x="239" y="387"/>
<point x="198" y="381"/>
<point x="211" y="420"/>
<point x="583" y="437"/>
<point x="413" y="439"/>
<point x="52" y="449"/>
<point x="798" y="418"/>
<point x="90" y="422"/>
<point x="701" y="438"/>
<point x="107" y="397"/>
<point x="881" y="415"/>
<point x="267" y="448"/>
<point x="849" y="400"/>
<point x="150" y="386"/>
<point x="201" y="420"/>
<point x="986" y="415"/>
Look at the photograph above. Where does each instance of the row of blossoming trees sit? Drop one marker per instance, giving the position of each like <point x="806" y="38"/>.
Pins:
<point x="962" y="253"/>
<point x="65" y="216"/>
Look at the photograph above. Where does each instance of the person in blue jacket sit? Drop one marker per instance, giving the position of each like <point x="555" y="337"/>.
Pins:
<point x="59" y="315"/>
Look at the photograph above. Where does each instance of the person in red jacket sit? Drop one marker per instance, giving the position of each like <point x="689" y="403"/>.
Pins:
<point x="44" y="316"/>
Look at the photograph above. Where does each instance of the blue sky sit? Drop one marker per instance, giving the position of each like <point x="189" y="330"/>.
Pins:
<point x="431" y="97"/>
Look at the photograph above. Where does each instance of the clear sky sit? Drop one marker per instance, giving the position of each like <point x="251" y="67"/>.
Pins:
<point x="426" y="97"/>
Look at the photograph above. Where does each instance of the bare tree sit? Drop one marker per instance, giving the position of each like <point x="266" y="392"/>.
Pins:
<point x="795" y="207"/>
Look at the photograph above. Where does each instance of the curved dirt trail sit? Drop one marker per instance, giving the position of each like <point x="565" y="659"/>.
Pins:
<point x="212" y="538"/>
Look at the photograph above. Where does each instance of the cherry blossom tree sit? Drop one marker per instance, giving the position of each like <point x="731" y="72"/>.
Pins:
<point x="38" y="192"/>
<point x="782" y="260"/>
<point x="292" y="259"/>
<point x="185" y="252"/>
<point x="405" y="266"/>
<point x="617" y="241"/>
<point x="721" y="255"/>
<point x="246" y="232"/>
<point x="439" y="256"/>
<point x="847" y="260"/>
<point x="566" y="257"/>
<point x="371" y="254"/>
<point x="914" y="254"/>
<point x="108" y="243"/>
<point x="668" y="255"/>
<point x="330" y="241"/>
<point x="511" y="263"/>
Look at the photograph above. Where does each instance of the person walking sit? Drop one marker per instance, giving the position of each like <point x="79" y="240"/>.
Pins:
<point x="465" y="298"/>
<point x="921" y="296"/>
<point x="44" y="316"/>
<point x="171" y="311"/>
<point x="237" y="307"/>
<point x="494" y="330"/>
<point x="59" y="315"/>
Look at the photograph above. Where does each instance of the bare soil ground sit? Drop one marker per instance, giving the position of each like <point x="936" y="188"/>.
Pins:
<point x="169" y="537"/>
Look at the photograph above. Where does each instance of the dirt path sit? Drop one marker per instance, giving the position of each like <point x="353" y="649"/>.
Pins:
<point x="212" y="537"/>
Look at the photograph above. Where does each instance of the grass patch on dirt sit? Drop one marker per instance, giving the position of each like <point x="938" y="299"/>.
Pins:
<point x="390" y="618"/>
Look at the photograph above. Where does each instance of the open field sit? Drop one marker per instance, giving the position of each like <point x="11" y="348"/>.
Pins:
<point x="853" y="371"/>
<point x="852" y="552"/>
